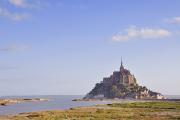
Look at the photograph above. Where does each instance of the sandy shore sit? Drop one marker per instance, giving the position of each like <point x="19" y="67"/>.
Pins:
<point x="4" y="102"/>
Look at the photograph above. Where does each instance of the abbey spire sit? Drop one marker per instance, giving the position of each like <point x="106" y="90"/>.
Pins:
<point x="122" y="67"/>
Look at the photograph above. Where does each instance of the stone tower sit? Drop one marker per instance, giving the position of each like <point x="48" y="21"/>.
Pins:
<point x="121" y="67"/>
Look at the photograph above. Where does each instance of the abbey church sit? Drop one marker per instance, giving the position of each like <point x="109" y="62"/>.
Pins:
<point x="121" y="77"/>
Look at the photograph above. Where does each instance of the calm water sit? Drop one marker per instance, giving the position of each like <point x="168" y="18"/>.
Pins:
<point x="55" y="103"/>
<point x="59" y="102"/>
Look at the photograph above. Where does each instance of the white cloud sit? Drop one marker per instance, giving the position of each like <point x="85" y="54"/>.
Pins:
<point x="175" y="20"/>
<point x="25" y="6"/>
<point x="13" y="16"/>
<point x="19" y="3"/>
<point x="141" y="33"/>
<point x="13" y="48"/>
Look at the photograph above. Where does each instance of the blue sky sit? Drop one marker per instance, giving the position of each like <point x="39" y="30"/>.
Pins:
<point x="66" y="46"/>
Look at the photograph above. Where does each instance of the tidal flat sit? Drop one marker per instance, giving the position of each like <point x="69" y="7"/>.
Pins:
<point x="5" y="102"/>
<point x="150" y="110"/>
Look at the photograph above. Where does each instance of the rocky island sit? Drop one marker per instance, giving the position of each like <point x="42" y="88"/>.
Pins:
<point x="122" y="85"/>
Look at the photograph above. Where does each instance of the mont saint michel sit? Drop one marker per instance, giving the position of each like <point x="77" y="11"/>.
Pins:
<point x="62" y="60"/>
<point x="121" y="84"/>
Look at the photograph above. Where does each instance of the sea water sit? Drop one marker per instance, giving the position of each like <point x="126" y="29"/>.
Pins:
<point x="56" y="102"/>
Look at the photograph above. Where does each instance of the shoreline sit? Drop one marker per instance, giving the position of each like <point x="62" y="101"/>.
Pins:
<point x="162" y="106"/>
<point x="10" y="101"/>
<point x="113" y="101"/>
<point x="117" y="99"/>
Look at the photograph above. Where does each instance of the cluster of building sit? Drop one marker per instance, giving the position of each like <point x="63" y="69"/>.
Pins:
<point x="120" y="77"/>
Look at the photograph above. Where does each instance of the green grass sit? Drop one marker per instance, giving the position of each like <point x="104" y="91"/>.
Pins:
<point x="116" y="111"/>
<point x="152" y="105"/>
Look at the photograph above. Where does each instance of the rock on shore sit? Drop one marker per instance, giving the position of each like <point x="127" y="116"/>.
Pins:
<point x="4" y="102"/>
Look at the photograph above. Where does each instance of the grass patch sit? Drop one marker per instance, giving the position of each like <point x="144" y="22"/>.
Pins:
<point x="116" y="111"/>
<point x="152" y="105"/>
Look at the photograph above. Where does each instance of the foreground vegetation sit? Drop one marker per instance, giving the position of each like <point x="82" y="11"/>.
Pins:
<point x="115" y="111"/>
